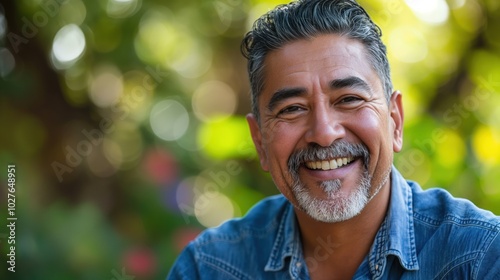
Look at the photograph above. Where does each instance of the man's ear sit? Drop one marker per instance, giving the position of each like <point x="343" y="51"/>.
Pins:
<point x="397" y="115"/>
<point x="257" y="140"/>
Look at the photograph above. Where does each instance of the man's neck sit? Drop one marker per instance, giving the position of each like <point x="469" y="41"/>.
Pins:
<point x="337" y="249"/>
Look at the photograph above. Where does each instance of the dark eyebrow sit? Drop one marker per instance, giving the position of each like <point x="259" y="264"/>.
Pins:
<point x="283" y="94"/>
<point x="350" y="82"/>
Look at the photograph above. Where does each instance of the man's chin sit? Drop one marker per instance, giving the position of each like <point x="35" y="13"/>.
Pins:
<point x="331" y="191"/>
<point x="327" y="212"/>
<point x="332" y="201"/>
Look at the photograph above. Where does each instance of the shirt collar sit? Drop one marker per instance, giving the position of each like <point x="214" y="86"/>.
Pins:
<point x="396" y="235"/>
<point x="286" y="244"/>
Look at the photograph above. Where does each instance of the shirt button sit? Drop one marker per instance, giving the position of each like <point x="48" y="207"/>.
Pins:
<point x="376" y="267"/>
<point x="298" y="264"/>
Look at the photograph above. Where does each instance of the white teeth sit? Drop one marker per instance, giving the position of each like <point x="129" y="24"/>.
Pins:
<point x="329" y="165"/>
<point x="325" y="165"/>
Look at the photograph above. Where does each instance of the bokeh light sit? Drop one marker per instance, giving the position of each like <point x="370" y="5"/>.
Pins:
<point x="430" y="11"/>
<point x="169" y="120"/>
<point x="495" y="117"/>
<point x="226" y="138"/>
<point x="3" y="25"/>
<point x="7" y="62"/>
<point x="456" y="4"/>
<point x="72" y="11"/>
<point x="408" y="44"/>
<point x="468" y="15"/>
<point x="138" y="92"/>
<point x="189" y="141"/>
<point x="157" y="37"/>
<point x="122" y="8"/>
<point x="106" y="87"/>
<point x="214" y="99"/>
<point x="486" y="144"/>
<point x="195" y="62"/>
<point x="212" y="209"/>
<point x="450" y="149"/>
<point x="76" y="79"/>
<point x="113" y="153"/>
<point x="124" y="145"/>
<point x="185" y="194"/>
<point x="161" y="166"/>
<point x="140" y="262"/>
<point x="68" y="46"/>
<point x="162" y="40"/>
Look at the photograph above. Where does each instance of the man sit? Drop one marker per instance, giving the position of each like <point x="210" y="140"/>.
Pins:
<point x="325" y="124"/>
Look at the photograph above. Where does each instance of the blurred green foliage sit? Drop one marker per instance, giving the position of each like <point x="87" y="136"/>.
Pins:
<point x="125" y="120"/>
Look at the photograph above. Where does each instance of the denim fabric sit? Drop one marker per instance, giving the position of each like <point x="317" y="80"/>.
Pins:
<point x="425" y="235"/>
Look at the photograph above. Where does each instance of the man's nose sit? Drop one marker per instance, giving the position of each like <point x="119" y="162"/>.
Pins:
<point x="324" y="127"/>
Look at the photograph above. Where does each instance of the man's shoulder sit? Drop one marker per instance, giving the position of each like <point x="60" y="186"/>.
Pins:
<point x="437" y="206"/>
<point x="467" y="237"/>
<point x="223" y="252"/>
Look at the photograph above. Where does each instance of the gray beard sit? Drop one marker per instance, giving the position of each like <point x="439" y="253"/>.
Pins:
<point x="336" y="207"/>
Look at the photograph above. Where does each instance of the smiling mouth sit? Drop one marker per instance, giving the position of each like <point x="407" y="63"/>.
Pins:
<point x="329" y="164"/>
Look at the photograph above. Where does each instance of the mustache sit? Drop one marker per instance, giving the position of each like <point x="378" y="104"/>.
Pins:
<point x="315" y="152"/>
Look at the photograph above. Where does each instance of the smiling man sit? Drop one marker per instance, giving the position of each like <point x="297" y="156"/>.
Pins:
<point x="326" y="123"/>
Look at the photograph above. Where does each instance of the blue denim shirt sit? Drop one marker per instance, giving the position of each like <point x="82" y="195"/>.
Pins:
<point x="425" y="235"/>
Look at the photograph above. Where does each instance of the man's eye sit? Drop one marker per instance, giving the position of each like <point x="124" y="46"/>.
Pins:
<point x="290" y="109"/>
<point x="350" y="99"/>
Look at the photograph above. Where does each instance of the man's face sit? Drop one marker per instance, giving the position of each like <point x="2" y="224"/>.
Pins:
<point x="327" y="134"/>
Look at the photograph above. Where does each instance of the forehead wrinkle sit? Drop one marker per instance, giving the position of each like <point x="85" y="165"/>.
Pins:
<point x="296" y="58"/>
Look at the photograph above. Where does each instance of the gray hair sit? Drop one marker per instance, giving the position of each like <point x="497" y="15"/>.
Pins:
<point x="306" y="19"/>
